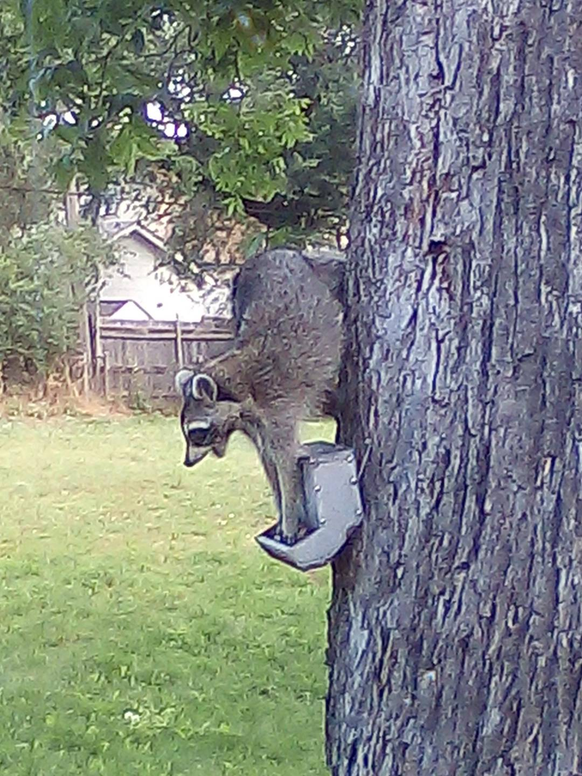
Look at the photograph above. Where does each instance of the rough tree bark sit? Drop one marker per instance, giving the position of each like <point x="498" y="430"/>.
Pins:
<point x="455" y="641"/>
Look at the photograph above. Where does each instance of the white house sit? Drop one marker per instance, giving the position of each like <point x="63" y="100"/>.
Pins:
<point x="141" y="289"/>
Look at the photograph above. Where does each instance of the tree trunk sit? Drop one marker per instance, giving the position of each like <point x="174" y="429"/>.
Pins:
<point x="455" y="639"/>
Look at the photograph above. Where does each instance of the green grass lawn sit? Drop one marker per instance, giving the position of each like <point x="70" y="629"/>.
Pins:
<point x="142" y="630"/>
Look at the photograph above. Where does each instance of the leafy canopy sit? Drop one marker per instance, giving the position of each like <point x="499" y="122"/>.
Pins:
<point x="257" y="97"/>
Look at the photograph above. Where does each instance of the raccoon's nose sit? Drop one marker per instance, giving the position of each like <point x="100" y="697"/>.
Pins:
<point x="194" y="456"/>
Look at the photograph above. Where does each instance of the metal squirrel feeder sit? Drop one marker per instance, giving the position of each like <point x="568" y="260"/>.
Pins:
<point x="333" y="508"/>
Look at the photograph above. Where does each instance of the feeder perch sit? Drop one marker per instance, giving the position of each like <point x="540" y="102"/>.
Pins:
<point x="333" y="508"/>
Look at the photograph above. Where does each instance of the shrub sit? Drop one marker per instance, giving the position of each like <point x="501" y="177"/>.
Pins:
<point x="47" y="273"/>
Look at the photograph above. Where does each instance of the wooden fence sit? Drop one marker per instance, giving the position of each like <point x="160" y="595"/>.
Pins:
<point x="137" y="361"/>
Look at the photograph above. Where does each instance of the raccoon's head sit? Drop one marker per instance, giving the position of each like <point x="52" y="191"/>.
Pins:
<point x="207" y="423"/>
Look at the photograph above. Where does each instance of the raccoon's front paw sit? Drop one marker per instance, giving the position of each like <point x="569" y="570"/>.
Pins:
<point x="285" y="537"/>
<point x="290" y="526"/>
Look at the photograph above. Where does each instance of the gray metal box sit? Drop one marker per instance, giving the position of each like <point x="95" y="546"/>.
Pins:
<point x="333" y="508"/>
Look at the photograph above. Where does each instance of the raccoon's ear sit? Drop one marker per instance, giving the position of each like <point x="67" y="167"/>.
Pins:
<point x="181" y="379"/>
<point x="204" y="387"/>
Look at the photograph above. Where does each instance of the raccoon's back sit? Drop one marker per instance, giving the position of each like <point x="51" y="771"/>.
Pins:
<point x="289" y="322"/>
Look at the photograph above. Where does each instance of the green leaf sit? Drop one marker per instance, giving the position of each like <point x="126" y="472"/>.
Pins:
<point x="138" y="41"/>
<point x="124" y="150"/>
<point x="67" y="132"/>
<point x="222" y="41"/>
<point x="64" y="171"/>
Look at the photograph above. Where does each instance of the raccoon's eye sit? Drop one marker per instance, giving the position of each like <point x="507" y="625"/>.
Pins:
<point x="200" y="437"/>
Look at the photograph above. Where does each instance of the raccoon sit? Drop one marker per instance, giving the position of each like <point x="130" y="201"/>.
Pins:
<point x="283" y="367"/>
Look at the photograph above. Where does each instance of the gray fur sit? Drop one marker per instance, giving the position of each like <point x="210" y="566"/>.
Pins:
<point x="283" y="367"/>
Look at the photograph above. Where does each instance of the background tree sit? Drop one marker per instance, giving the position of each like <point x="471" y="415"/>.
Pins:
<point x="454" y="632"/>
<point x="258" y="100"/>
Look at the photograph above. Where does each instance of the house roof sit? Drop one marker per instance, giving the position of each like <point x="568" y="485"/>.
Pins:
<point x="130" y="310"/>
<point x="115" y="229"/>
<point x="155" y="291"/>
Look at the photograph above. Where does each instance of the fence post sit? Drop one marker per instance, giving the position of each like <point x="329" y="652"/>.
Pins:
<point x="106" y="374"/>
<point x="179" y="351"/>
<point x="85" y="361"/>
<point x="97" y="334"/>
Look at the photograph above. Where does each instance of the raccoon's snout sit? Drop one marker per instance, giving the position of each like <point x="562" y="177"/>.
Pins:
<point x="194" y="456"/>
<point x="200" y="437"/>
